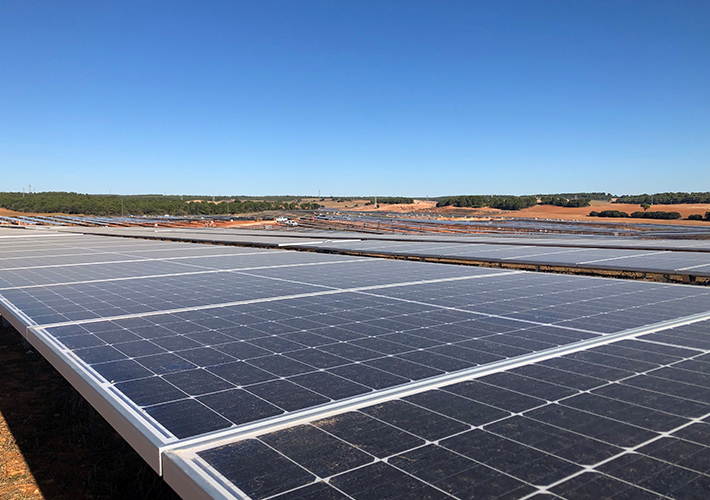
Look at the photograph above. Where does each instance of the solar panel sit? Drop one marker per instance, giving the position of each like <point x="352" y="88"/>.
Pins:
<point x="390" y="371"/>
<point x="559" y="240"/>
<point x="567" y="428"/>
<point x="640" y="260"/>
<point x="664" y="257"/>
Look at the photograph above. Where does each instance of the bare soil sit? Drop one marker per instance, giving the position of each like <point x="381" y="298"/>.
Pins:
<point x="553" y="212"/>
<point x="9" y="213"/>
<point x="54" y="445"/>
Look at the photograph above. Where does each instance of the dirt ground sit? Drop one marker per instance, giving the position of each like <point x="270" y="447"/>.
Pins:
<point x="8" y="213"/>
<point x="553" y="212"/>
<point x="54" y="445"/>
<point x="361" y="205"/>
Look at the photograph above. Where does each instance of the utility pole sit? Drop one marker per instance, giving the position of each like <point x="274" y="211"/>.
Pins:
<point x="121" y="207"/>
<point x="23" y="191"/>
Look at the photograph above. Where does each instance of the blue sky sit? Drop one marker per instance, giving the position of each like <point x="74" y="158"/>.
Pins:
<point x="349" y="97"/>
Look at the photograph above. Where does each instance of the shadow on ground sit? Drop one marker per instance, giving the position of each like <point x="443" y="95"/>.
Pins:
<point x="71" y="451"/>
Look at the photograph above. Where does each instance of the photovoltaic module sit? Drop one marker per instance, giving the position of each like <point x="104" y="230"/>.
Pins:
<point x="261" y="373"/>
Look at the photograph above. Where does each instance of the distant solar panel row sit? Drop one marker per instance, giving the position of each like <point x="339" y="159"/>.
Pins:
<point x="198" y="353"/>
<point x="674" y="261"/>
<point x="276" y="235"/>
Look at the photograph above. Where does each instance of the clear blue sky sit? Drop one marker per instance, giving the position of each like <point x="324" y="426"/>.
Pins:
<point x="355" y="97"/>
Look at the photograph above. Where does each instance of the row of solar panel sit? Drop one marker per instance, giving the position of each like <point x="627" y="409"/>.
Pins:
<point x="669" y="262"/>
<point x="293" y="236"/>
<point x="188" y="342"/>
<point x="692" y="263"/>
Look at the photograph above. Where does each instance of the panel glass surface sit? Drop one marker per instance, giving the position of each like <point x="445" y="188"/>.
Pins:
<point x="291" y="354"/>
<point x="615" y="421"/>
<point x="610" y="258"/>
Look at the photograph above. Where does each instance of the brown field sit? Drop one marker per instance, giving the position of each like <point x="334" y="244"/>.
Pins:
<point x="10" y="213"/>
<point x="553" y="212"/>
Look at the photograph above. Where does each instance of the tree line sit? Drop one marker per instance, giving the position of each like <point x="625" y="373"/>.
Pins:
<point x="479" y="201"/>
<point x="395" y="200"/>
<point x="560" y="201"/>
<point x="665" y="198"/>
<point x="103" y="205"/>
<point x="510" y="202"/>
<point x="595" y="196"/>
<point x="647" y="215"/>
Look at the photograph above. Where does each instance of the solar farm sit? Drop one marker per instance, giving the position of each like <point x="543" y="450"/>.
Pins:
<point x="337" y="365"/>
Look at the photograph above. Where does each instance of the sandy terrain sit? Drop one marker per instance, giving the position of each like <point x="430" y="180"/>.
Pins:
<point x="362" y="206"/>
<point x="9" y="213"/>
<point x="355" y="204"/>
<point x="417" y="206"/>
<point x="553" y="212"/>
